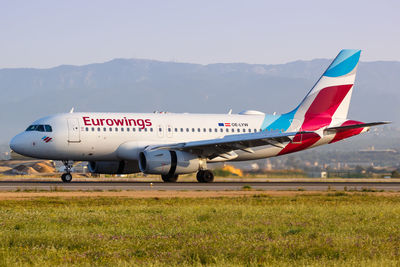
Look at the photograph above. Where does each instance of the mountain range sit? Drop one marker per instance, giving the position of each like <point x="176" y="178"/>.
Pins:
<point x="140" y="85"/>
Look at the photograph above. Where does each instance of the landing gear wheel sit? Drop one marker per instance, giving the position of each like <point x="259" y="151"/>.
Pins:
<point x="205" y="176"/>
<point x="199" y="176"/>
<point x="66" y="177"/>
<point x="169" y="178"/>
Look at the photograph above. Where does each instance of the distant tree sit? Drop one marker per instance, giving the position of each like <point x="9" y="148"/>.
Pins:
<point x="395" y="174"/>
<point x="359" y="169"/>
<point x="292" y="162"/>
<point x="370" y="169"/>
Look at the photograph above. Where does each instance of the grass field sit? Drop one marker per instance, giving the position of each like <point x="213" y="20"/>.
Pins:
<point x="331" y="229"/>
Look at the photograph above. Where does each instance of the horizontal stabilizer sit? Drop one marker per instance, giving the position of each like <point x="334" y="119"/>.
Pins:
<point x="355" y="126"/>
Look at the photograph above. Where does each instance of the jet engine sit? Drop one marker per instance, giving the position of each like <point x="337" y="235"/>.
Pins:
<point x="166" y="162"/>
<point x="113" y="167"/>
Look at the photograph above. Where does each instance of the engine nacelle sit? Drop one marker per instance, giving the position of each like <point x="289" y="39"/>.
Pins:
<point x="169" y="162"/>
<point x="113" y="167"/>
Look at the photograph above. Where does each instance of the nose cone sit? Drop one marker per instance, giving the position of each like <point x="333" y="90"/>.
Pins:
<point x="17" y="144"/>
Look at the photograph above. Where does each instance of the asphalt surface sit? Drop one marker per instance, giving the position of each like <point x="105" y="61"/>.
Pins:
<point x="216" y="186"/>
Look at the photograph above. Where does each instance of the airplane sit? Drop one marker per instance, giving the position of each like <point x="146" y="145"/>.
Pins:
<point x="170" y="144"/>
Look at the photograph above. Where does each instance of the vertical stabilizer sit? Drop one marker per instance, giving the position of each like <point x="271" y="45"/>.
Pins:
<point x="329" y="100"/>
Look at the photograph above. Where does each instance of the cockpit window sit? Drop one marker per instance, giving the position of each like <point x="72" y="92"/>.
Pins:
<point x="39" y="128"/>
<point x="31" y="128"/>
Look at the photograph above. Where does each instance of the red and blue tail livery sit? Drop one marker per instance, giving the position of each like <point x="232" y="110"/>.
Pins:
<point x="170" y="144"/>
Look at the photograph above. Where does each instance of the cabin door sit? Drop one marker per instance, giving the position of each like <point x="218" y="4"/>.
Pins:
<point x="74" y="135"/>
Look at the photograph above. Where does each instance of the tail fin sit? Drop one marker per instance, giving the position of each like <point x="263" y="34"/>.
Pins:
<point x="329" y="99"/>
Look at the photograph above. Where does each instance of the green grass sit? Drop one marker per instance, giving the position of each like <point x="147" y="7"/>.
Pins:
<point x="334" y="229"/>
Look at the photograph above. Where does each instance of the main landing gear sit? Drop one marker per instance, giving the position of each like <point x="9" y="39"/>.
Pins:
<point x="168" y="178"/>
<point x="205" y="176"/>
<point x="67" y="177"/>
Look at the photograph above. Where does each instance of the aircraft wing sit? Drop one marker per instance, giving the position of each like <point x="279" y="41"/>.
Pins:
<point x="355" y="126"/>
<point x="213" y="148"/>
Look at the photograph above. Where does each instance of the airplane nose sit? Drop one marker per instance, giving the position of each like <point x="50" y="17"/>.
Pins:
<point x="16" y="144"/>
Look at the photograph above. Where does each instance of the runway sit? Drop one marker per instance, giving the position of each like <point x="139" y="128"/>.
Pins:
<point x="187" y="186"/>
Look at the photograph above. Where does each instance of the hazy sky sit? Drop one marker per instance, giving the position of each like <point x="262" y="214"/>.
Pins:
<point x="48" y="33"/>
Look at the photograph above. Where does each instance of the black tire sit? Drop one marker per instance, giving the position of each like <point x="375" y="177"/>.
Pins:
<point x="66" y="177"/>
<point x="208" y="176"/>
<point x="205" y="176"/>
<point x="169" y="178"/>
<point x="199" y="176"/>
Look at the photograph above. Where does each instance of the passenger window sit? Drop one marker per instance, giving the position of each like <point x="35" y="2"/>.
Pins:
<point x="227" y="130"/>
<point x="233" y="130"/>
<point x="110" y="129"/>
<point x="176" y="129"/>
<point x="244" y="130"/>
<point x="204" y="130"/>
<point x="40" y="128"/>
<point x="98" y="129"/>
<point x="151" y="129"/>
<point x="198" y="129"/>
<point x="160" y="129"/>
<point x="48" y="128"/>
<point x="216" y="130"/>
<point x="128" y="129"/>
<point x="192" y="129"/>
<point x="140" y="129"/>
<point x="87" y="129"/>
<point x="187" y="129"/>
<point x="133" y="129"/>
<point x="116" y="129"/>
<point x="169" y="129"/>
<point x="249" y="130"/>
<point x="104" y="129"/>
<point x="221" y="130"/>
<point x="181" y="130"/>
<point x="210" y="130"/>
<point x="238" y="130"/>
<point x="255" y="130"/>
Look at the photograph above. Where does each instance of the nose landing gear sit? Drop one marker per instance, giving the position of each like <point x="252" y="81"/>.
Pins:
<point x="67" y="177"/>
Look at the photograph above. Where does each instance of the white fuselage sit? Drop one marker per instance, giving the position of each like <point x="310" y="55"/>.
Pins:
<point x="117" y="136"/>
